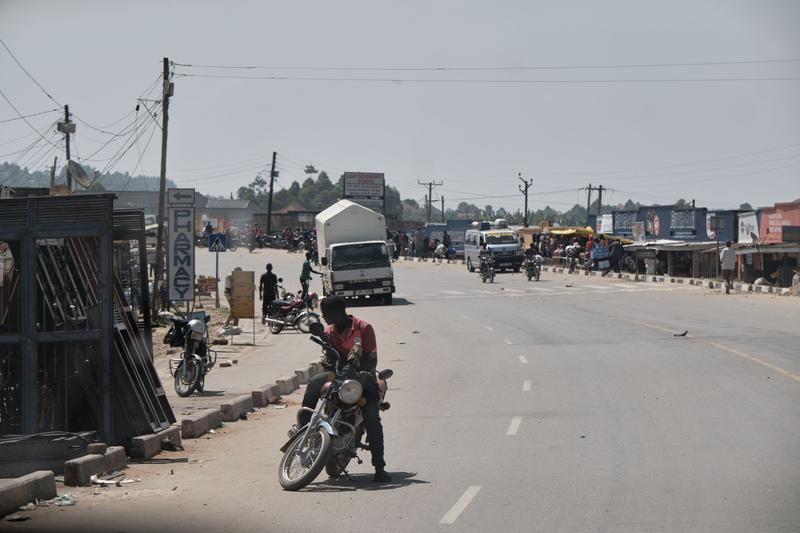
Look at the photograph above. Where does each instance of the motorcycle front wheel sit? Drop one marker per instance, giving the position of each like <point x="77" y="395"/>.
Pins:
<point x="305" y="321"/>
<point x="275" y="328"/>
<point x="187" y="376"/>
<point x="293" y="472"/>
<point x="233" y="245"/>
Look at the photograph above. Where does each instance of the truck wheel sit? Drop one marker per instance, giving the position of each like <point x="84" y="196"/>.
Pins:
<point x="387" y="298"/>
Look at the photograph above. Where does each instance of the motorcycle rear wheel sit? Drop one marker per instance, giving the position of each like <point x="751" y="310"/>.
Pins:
<point x="275" y="328"/>
<point x="296" y="478"/>
<point x="304" y="324"/>
<point x="186" y="384"/>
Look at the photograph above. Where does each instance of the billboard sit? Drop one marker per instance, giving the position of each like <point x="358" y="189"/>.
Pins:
<point x="180" y="245"/>
<point x="780" y="223"/>
<point x="748" y="228"/>
<point x="365" y="188"/>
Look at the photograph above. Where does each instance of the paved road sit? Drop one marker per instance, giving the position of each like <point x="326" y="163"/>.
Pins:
<point x="563" y="405"/>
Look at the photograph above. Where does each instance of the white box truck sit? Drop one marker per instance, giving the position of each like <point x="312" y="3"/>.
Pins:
<point x="351" y="241"/>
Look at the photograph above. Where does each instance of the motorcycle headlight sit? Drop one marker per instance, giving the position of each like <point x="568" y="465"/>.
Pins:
<point x="350" y="391"/>
<point x="197" y="335"/>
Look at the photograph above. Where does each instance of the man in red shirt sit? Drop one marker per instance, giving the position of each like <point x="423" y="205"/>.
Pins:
<point x="354" y="339"/>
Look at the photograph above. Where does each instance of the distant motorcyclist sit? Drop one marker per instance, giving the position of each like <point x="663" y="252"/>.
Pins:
<point x="355" y="340"/>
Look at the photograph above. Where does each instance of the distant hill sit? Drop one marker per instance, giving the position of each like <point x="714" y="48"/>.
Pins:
<point x="15" y="176"/>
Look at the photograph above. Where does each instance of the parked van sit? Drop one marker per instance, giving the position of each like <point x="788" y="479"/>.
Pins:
<point x="499" y="239"/>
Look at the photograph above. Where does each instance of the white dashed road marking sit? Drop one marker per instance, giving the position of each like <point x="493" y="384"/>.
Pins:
<point x="490" y="328"/>
<point x="523" y="359"/>
<point x="507" y="341"/>
<point x="456" y="510"/>
<point x="526" y="385"/>
<point x="513" y="427"/>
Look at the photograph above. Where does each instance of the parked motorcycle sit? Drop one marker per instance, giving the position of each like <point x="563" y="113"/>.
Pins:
<point x="189" y="372"/>
<point x="487" y="269"/>
<point x="291" y="312"/>
<point x="333" y="436"/>
<point x="533" y="267"/>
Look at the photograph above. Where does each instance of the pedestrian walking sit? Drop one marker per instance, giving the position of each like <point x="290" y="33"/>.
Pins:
<point x="267" y="291"/>
<point x="727" y="259"/>
<point x="615" y="252"/>
<point x="305" y="275"/>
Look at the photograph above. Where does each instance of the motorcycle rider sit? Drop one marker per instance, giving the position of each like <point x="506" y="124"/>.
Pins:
<point x="355" y="340"/>
<point x="572" y="252"/>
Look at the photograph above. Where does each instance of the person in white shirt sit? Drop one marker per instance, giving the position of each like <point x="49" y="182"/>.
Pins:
<point x="727" y="258"/>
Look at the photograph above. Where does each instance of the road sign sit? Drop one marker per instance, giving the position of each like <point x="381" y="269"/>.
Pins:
<point x="217" y="242"/>
<point x="180" y="197"/>
<point x="365" y="188"/>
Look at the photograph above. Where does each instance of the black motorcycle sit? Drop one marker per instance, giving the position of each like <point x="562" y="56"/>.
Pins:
<point x="189" y="372"/>
<point x="533" y="267"/>
<point x="333" y="436"/>
<point x="487" y="268"/>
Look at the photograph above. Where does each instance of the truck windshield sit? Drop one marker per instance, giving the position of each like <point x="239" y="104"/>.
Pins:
<point x="501" y="238"/>
<point x="367" y="255"/>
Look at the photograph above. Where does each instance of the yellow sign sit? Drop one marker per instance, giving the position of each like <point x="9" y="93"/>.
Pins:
<point x="243" y="294"/>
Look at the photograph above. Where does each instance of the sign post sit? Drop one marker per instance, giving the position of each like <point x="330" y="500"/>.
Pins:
<point x="718" y="223"/>
<point x="217" y="242"/>
<point x="180" y="245"/>
<point x="367" y="189"/>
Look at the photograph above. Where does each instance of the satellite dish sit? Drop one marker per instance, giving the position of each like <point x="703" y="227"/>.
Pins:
<point x="79" y="174"/>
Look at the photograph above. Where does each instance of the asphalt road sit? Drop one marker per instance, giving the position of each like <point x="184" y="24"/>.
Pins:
<point x="563" y="405"/>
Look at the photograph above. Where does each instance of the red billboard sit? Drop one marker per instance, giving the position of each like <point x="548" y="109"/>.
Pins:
<point x="780" y="223"/>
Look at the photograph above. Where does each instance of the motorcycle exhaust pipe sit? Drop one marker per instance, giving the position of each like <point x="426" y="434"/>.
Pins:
<point x="275" y="321"/>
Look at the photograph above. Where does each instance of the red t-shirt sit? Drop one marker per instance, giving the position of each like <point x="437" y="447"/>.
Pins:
<point x="360" y="330"/>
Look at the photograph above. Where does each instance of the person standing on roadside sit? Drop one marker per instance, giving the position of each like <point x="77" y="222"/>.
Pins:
<point x="267" y="291"/>
<point x="305" y="275"/>
<point x="727" y="259"/>
<point x="231" y="320"/>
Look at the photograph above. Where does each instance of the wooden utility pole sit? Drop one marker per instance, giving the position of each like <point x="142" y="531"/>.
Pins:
<point x="429" y="199"/>
<point x="524" y="190"/>
<point x="67" y="127"/>
<point x="166" y="92"/>
<point x="443" y="220"/>
<point x="272" y="176"/>
<point x="589" y="190"/>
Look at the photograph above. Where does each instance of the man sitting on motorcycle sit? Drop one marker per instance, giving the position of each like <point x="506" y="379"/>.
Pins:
<point x="355" y="340"/>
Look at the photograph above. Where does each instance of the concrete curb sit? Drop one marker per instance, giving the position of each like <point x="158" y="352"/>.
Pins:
<point x="146" y="447"/>
<point x="16" y="492"/>
<point x="287" y="385"/>
<point x="234" y="409"/>
<point x="79" y="471"/>
<point x="197" y="425"/>
<point x="265" y="395"/>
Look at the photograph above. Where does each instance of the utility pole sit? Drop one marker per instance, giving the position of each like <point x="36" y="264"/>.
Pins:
<point x="272" y="175"/>
<point x="53" y="172"/>
<point x="430" y="185"/>
<point x="66" y="128"/>
<point x="588" y="202"/>
<point x="166" y="91"/>
<point x="524" y="190"/>
<point x="443" y="220"/>
<point x="427" y="208"/>
<point x="589" y="190"/>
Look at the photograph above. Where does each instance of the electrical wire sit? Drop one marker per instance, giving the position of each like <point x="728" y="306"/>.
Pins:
<point x="20" y="117"/>
<point x="28" y="73"/>
<point x="494" y="68"/>
<point x="17" y="139"/>
<point x="489" y="81"/>
<point x="101" y="129"/>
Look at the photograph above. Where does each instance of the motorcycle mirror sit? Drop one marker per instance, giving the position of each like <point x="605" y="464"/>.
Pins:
<point x="208" y="319"/>
<point x="316" y="329"/>
<point x="280" y="280"/>
<point x="385" y="374"/>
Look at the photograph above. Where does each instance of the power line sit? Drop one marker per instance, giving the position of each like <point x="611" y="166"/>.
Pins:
<point x="492" y="68"/>
<point x="21" y="117"/>
<point x="488" y="81"/>
<point x="28" y="73"/>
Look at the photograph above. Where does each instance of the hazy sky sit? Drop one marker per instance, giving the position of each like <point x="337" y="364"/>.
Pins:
<point x="721" y="142"/>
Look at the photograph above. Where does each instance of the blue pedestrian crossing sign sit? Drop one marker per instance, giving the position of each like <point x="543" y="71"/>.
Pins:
<point x="217" y="242"/>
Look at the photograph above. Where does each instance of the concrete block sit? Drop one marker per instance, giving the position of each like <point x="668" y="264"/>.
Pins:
<point x="287" y="385"/>
<point x="302" y="376"/>
<point x="148" y="446"/>
<point x="680" y="280"/>
<point x="78" y="471"/>
<point x="198" y="424"/>
<point x="265" y="395"/>
<point x="769" y="289"/>
<point x="233" y="410"/>
<point x="19" y="491"/>
<point x="115" y="459"/>
<point x="97" y="447"/>
<point x="672" y="280"/>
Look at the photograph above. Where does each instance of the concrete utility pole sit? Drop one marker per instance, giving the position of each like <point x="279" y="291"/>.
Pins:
<point x="429" y="200"/>
<point x="589" y="190"/>
<point x="272" y="176"/>
<point x="53" y="172"/>
<point x="166" y="92"/>
<point x="443" y="220"/>
<point x="524" y="190"/>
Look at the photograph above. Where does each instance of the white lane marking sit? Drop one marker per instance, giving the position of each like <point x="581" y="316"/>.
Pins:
<point x="507" y="341"/>
<point x="490" y="328"/>
<point x="465" y="317"/>
<point x="523" y="359"/>
<point x="458" y="508"/>
<point x="513" y="427"/>
<point x="479" y="291"/>
<point x="543" y="289"/>
<point x="601" y="287"/>
<point x="514" y="290"/>
<point x="526" y="385"/>
<point x="456" y="293"/>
